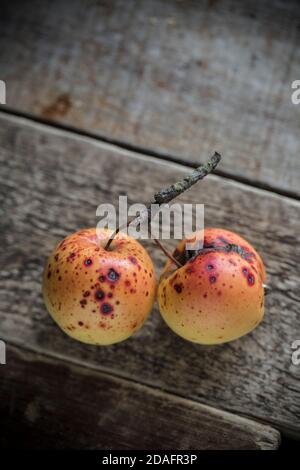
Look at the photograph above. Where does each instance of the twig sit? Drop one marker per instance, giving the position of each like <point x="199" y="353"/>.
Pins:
<point x="167" y="253"/>
<point x="166" y="195"/>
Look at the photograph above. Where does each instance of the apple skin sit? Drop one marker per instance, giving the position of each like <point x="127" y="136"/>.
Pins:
<point x="217" y="296"/>
<point x="97" y="296"/>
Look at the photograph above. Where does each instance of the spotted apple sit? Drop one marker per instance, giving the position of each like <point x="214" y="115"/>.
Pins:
<point x="97" y="295"/>
<point x="217" y="295"/>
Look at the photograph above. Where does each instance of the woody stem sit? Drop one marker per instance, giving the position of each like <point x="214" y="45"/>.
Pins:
<point x="171" y="192"/>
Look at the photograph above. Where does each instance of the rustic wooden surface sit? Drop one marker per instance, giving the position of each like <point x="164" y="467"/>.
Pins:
<point x="51" y="183"/>
<point x="110" y="413"/>
<point x="181" y="78"/>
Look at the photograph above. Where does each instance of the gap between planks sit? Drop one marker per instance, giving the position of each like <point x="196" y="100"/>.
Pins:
<point x="133" y="151"/>
<point x="270" y="436"/>
<point x="72" y="361"/>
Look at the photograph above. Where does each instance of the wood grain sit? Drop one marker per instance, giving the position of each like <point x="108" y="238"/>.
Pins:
<point x="52" y="182"/>
<point x="180" y="78"/>
<point x="109" y="413"/>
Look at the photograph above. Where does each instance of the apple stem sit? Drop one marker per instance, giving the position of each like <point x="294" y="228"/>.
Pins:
<point x="171" y="192"/>
<point x="167" y="253"/>
<point x="166" y="195"/>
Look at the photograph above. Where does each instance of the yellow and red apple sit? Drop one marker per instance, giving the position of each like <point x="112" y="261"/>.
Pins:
<point x="95" y="295"/>
<point x="218" y="294"/>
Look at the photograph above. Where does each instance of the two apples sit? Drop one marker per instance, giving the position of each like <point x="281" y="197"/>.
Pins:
<point x="102" y="296"/>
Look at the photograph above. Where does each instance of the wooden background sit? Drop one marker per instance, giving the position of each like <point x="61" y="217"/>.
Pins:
<point x="110" y="97"/>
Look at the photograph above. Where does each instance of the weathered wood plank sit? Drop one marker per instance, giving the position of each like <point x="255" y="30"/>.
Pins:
<point x="174" y="77"/>
<point x="51" y="183"/>
<point x="109" y="413"/>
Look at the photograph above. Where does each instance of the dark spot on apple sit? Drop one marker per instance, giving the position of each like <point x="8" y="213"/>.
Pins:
<point x="210" y="267"/>
<point x="101" y="278"/>
<point x="106" y="309"/>
<point x="49" y="274"/>
<point x="178" y="288"/>
<point x="212" y="279"/>
<point x="86" y="294"/>
<point x="88" y="262"/>
<point x="71" y="256"/>
<point x="250" y="279"/>
<point x="99" y="294"/>
<point x="80" y="323"/>
<point x="113" y="275"/>
<point x="83" y="302"/>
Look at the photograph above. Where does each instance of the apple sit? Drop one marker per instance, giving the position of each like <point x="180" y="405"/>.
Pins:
<point x="97" y="295"/>
<point x="217" y="295"/>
